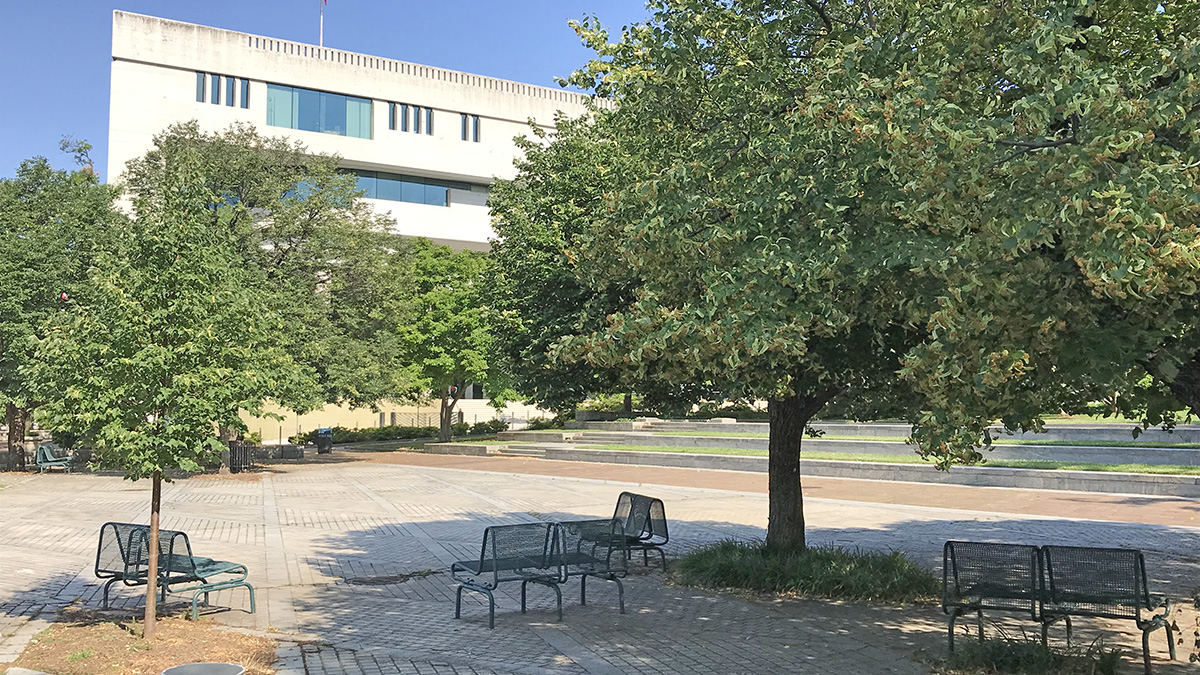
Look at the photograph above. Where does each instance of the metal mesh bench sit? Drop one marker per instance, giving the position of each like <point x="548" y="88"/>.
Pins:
<point x="123" y="555"/>
<point x="644" y="523"/>
<point x="46" y="459"/>
<point x="1109" y="583"/>
<point x="1051" y="583"/>
<point x="595" y="548"/>
<point x="527" y="552"/>
<point x="981" y="576"/>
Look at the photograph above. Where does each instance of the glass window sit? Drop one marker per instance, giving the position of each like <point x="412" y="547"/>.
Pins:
<point x="390" y="187"/>
<point x="403" y="117"/>
<point x="475" y="128"/>
<point x="429" y="121"/>
<point x="435" y="195"/>
<point x="392" y="116"/>
<point x="245" y="93"/>
<point x="216" y="90"/>
<point x="281" y="106"/>
<point x="200" y="87"/>
<point x="416" y="119"/>
<point x="366" y="182"/>
<point x="464" y="126"/>
<point x="319" y="111"/>
<point x="230" y="91"/>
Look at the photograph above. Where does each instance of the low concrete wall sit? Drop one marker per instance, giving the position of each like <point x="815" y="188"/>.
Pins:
<point x="538" y="436"/>
<point x="1086" y="481"/>
<point x="1052" y="453"/>
<point x="474" y="449"/>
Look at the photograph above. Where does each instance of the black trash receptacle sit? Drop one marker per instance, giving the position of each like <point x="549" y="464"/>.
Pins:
<point x="240" y="456"/>
<point x="324" y="439"/>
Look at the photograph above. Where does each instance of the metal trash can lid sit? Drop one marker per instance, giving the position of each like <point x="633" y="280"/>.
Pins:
<point x="206" y="669"/>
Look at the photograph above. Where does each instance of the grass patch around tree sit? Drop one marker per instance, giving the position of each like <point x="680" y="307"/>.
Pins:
<point x="818" y="572"/>
<point x="1027" y="656"/>
<point x="1163" y="469"/>
<point x="90" y="643"/>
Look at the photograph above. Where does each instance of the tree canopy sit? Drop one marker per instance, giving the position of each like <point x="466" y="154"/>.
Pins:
<point x="53" y="223"/>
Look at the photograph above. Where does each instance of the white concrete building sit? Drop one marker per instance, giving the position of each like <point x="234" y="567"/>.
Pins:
<point x="426" y="141"/>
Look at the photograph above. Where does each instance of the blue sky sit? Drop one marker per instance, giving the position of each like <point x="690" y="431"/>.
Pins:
<point x="55" y="54"/>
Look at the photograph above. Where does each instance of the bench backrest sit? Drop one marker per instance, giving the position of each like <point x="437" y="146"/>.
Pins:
<point x="45" y="455"/>
<point x="979" y="575"/>
<point x="124" y="550"/>
<point x="512" y="552"/>
<point x="1104" y="582"/>
<point x="594" y="547"/>
<point x="643" y="518"/>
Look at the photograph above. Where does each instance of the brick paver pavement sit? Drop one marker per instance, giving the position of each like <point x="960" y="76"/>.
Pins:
<point x="312" y="534"/>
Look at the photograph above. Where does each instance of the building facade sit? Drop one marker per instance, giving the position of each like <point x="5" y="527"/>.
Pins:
<point x="425" y="142"/>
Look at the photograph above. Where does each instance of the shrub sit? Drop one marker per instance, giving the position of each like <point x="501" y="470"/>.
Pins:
<point x="1027" y="656"/>
<point x="344" y="435"/>
<point x="488" y="427"/>
<point x="821" y="572"/>
<point x="539" y="423"/>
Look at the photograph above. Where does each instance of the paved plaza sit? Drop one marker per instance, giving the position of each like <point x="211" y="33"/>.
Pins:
<point x="322" y="539"/>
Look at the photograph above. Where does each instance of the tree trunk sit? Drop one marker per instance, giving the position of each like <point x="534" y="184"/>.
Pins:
<point x="627" y="406"/>
<point x="17" y="419"/>
<point x="151" y="618"/>
<point x="785" y="516"/>
<point x="450" y="396"/>
<point x="785" y="497"/>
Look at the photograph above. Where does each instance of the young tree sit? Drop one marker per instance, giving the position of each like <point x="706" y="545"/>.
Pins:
<point x="173" y="342"/>
<point x="449" y="340"/>
<point x="52" y="223"/>
<point x="311" y="247"/>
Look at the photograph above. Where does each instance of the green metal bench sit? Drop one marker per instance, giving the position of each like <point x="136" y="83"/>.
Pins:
<point x="594" y="548"/>
<point x="526" y="552"/>
<point x="1051" y="584"/>
<point x="47" y="460"/>
<point x="644" y="521"/>
<point x="123" y="556"/>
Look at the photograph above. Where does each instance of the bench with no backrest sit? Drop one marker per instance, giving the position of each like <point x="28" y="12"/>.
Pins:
<point x="1051" y="583"/>
<point x="123" y="556"/>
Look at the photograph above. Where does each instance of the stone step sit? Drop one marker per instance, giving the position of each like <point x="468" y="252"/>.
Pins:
<point x="522" y="451"/>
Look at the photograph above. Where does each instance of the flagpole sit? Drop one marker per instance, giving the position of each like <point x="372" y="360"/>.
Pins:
<point x="321" y="37"/>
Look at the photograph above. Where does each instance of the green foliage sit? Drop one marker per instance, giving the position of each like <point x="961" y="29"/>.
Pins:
<point x="542" y="423"/>
<point x="819" y="572"/>
<point x="448" y="342"/>
<point x="1027" y="656"/>
<point x="171" y="342"/>
<point x="395" y="433"/>
<point x="310" y="247"/>
<point x="53" y="224"/>
<point x="488" y="427"/>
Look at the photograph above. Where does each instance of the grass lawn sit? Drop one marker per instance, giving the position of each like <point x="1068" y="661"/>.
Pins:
<point x="914" y="459"/>
<point x="1131" y="443"/>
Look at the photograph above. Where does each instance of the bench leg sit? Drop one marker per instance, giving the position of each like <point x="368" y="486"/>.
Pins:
<point x="1146" y="649"/>
<point x="106" y="587"/>
<point x="458" y="603"/>
<point x="950" y="628"/>
<point x="251" y="589"/>
<point x="662" y="554"/>
<point x="979" y="622"/>
<point x="558" y="594"/>
<point x="1170" y="640"/>
<point x="524" y="584"/>
<point x="583" y="589"/>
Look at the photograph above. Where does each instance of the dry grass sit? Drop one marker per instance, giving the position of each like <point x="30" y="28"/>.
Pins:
<point x="89" y="643"/>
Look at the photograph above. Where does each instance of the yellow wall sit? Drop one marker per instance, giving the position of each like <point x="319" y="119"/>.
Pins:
<point x="474" y="410"/>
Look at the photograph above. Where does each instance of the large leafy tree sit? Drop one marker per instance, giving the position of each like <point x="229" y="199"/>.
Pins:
<point x="310" y="245"/>
<point x="769" y="267"/>
<point x="173" y="341"/>
<point x="52" y="224"/>
<point x="1054" y="148"/>
<point x="449" y="341"/>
